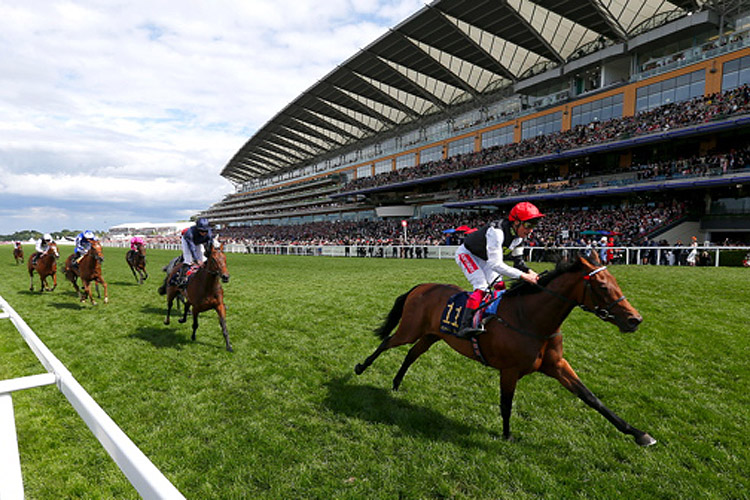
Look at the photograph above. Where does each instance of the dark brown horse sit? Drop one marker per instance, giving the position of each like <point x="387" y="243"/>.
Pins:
<point x="524" y="337"/>
<point x="18" y="253"/>
<point x="89" y="269"/>
<point x="45" y="265"/>
<point x="203" y="291"/>
<point x="136" y="259"/>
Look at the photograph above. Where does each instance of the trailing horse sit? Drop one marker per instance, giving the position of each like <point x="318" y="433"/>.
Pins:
<point x="89" y="269"/>
<point x="203" y="290"/>
<point x="136" y="259"/>
<point x="45" y="265"/>
<point x="523" y="337"/>
<point x="18" y="254"/>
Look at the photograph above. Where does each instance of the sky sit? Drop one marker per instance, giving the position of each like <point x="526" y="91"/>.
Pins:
<point x="120" y="112"/>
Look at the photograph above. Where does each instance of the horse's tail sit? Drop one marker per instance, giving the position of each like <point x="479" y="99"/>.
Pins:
<point x="393" y="317"/>
<point x="163" y="288"/>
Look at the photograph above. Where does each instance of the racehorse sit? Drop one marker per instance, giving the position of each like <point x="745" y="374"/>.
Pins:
<point x="524" y="336"/>
<point x="18" y="254"/>
<point x="203" y="291"/>
<point x="45" y="265"/>
<point x="136" y="259"/>
<point x="89" y="269"/>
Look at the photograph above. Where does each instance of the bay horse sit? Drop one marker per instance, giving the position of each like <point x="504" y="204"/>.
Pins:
<point x="524" y="336"/>
<point x="18" y="253"/>
<point x="203" y="291"/>
<point x="45" y="265"/>
<point x="136" y="259"/>
<point x="89" y="269"/>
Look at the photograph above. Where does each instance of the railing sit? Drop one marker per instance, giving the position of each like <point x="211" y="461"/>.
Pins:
<point x="142" y="474"/>
<point x="658" y="255"/>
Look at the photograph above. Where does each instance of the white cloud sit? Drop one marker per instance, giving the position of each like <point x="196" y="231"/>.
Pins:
<point x="121" y="102"/>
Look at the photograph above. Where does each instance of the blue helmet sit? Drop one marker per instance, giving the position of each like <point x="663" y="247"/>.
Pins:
<point x="88" y="235"/>
<point x="202" y="224"/>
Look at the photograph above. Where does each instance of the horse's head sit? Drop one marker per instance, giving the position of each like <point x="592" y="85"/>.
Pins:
<point x="216" y="261"/>
<point x="53" y="249"/>
<point x="96" y="250"/>
<point x="140" y="248"/>
<point x="603" y="296"/>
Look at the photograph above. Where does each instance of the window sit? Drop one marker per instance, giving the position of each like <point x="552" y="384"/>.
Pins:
<point x="434" y="153"/>
<point x="497" y="137"/>
<point x="597" y="111"/>
<point x="461" y="146"/>
<point x="543" y="125"/>
<point x="681" y="88"/>
<point x="736" y="73"/>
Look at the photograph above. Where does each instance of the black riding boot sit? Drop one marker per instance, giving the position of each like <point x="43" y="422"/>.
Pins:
<point x="466" y="331"/>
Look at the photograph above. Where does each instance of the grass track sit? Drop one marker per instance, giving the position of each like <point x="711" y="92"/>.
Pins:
<point x="285" y="417"/>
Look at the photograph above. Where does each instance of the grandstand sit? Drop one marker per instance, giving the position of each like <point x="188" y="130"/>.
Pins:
<point x="465" y="108"/>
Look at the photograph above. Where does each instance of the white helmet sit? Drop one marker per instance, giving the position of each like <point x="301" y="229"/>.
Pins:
<point x="88" y="235"/>
<point x="47" y="237"/>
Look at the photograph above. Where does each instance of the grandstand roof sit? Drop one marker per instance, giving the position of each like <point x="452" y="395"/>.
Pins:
<point x="448" y="53"/>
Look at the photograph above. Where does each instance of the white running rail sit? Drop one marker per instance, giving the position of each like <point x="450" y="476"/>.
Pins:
<point x="142" y="474"/>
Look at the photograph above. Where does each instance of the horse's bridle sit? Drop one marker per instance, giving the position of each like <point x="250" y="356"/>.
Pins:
<point x="604" y="313"/>
<point x="601" y="312"/>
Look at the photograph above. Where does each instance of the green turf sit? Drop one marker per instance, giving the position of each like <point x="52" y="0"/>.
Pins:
<point x="284" y="416"/>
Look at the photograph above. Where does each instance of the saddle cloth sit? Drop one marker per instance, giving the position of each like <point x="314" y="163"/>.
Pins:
<point x="452" y="317"/>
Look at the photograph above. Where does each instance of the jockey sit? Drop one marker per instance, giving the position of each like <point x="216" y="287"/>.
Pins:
<point x="42" y="245"/>
<point x="481" y="257"/>
<point x="83" y="245"/>
<point x="136" y="240"/>
<point x="195" y="240"/>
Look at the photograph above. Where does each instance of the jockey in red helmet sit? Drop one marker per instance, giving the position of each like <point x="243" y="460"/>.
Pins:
<point x="481" y="257"/>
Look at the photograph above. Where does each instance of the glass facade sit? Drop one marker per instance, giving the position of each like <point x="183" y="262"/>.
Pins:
<point x="461" y="146"/>
<point x="542" y="125"/>
<point x="681" y="88"/>
<point x="406" y="161"/>
<point x="497" y="137"/>
<point x="736" y="73"/>
<point x="597" y="111"/>
<point x="434" y="153"/>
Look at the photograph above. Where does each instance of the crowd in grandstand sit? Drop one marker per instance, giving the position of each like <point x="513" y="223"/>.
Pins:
<point x="666" y="117"/>
<point x="629" y="226"/>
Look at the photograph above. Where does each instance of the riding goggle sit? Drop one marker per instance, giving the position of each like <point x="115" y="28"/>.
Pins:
<point x="529" y="224"/>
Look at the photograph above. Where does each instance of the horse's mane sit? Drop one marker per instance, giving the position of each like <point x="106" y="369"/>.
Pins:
<point x="563" y="266"/>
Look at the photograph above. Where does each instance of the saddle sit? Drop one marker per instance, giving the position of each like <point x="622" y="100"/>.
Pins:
<point x="453" y="314"/>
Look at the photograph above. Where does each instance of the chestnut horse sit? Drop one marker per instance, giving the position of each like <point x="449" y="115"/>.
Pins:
<point x="18" y="253"/>
<point x="203" y="291"/>
<point x="45" y="265"/>
<point x="89" y="269"/>
<point x="525" y="335"/>
<point x="136" y="259"/>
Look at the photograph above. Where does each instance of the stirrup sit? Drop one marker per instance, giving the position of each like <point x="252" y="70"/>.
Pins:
<point x="469" y="332"/>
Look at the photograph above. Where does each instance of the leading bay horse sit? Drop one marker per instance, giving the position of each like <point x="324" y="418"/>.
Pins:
<point x="89" y="269"/>
<point x="525" y="335"/>
<point x="136" y="259"/>
<point x="18" y="253"/>
<point x="45" y="265"/>
<point x="203" y="291"/>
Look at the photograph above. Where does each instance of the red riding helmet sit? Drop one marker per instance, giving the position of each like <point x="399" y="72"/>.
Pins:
<point x="524" y="211"/>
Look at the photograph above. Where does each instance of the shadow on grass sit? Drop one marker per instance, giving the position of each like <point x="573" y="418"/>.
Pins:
<point x="124" y="283"/>
<point x="162" y="311"/>
<point x="68" y="305"/>
<point x="378" y="405"/>
<point x="160" y="337"/>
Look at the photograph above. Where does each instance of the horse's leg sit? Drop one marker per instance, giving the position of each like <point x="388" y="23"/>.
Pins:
<point x="185" y="309"/>
<point x="417" y="350"/>
<point x="31" y="280"/>
<point x="54" y="282"/>
<point x="563" y="372"/>
<point x="222" y="312"/>
<point x="384" y="346"/>
<point x="43" y="280"/>
<point x="104" y="284"/>
<point x="87" y="291"/>
<point x="170" y="299"/>
<point x="508" y="380"/>
<point x="132" y="270"/>
<point x="195" y="323"/>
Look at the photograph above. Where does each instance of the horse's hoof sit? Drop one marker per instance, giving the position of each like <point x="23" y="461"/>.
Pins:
<point x="181" y="320"/>
<point x="359" y="369"/>
<point x="166" y="321"/>
<point x="645" y="440"/>
<point x="106" y="300"/>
